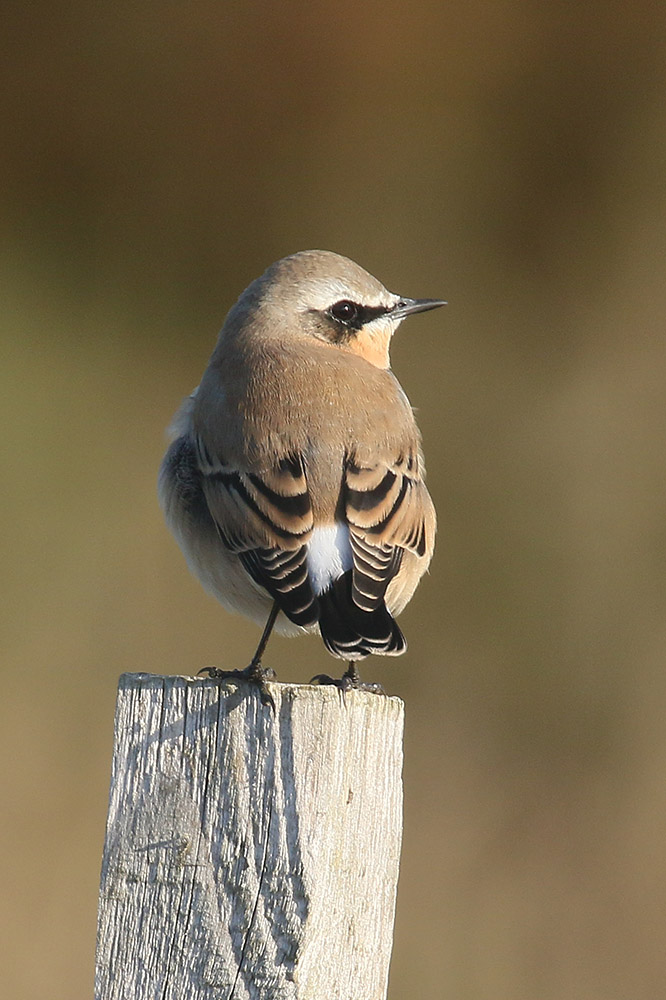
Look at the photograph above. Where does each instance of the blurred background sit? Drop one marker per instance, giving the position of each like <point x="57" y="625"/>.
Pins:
<point x="510" y="157"/>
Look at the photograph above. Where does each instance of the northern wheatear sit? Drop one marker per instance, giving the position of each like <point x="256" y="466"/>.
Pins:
<point x="294" y="483"/>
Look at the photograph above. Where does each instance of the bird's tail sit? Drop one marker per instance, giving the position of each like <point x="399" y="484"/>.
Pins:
<point x="351" y="633"/>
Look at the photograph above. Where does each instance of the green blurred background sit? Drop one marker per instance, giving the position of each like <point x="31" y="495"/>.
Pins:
<point x="510" y="157"/>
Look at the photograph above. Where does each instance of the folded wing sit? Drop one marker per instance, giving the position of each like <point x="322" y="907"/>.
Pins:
<point x="265" y="517"/>
<point x="385" y="509"/>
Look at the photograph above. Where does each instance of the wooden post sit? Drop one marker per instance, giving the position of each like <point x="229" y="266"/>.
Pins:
<point x="249" y="854"/>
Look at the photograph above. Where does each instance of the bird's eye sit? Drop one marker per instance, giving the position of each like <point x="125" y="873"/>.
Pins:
<point x="345" y="312"/>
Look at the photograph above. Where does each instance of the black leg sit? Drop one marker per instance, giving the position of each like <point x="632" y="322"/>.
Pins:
<point x="265" y="635"/>
<point x="254" y="672"/>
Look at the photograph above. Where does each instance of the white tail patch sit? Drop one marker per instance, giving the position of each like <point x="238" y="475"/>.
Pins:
<point x="329" y="555"/>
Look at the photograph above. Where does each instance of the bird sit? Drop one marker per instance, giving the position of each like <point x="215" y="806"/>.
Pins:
<point x="294" y="482"/>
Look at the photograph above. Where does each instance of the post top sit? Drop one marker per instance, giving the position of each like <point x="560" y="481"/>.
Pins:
<point x="323" y="693"/>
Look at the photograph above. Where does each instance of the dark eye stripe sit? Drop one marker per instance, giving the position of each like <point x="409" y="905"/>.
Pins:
<point x="368" y="313"/>
<point x="353" y="315"/>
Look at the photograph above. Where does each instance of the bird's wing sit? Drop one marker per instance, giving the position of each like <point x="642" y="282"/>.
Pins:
<point x="386" y="507"/>
<point x="265" y="517"/>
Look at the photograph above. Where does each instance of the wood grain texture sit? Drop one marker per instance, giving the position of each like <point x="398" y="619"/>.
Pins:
<point x="249" y="854"/>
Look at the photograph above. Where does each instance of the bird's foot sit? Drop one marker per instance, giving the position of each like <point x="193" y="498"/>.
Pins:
<point x="255" y="674"/>
<point x="350" y="681"/>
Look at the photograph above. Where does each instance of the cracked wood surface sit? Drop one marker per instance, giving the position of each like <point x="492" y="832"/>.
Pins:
<point x="249" y="854"/>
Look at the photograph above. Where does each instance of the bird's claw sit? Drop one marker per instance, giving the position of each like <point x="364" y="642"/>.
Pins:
<point x="255" y="674"/>
<point x="350" y="681"/>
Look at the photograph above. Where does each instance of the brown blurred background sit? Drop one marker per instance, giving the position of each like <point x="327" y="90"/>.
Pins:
<point x="510" y="157"/>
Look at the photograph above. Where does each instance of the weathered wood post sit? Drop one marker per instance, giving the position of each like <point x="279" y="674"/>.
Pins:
<point x="249" y="853"/>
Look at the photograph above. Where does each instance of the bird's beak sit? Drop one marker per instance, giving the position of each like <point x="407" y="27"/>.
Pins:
<point x="405" y="307"/>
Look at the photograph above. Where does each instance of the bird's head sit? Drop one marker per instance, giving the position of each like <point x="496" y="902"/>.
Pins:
<point x="320" y="294"/>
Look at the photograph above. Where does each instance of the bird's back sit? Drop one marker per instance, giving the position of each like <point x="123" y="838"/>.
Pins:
<point x="298" y="464"/>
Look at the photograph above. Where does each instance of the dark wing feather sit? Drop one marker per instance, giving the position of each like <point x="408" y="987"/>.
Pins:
<point x="374" y="568"/>
<point x="385" y="513"/>
<point x="265" y="517"/>
<point x="350" y="632"/>
<point x="284" y="574"/>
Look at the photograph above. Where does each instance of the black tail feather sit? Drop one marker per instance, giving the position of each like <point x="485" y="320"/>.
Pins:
<point x="351" y="633"/>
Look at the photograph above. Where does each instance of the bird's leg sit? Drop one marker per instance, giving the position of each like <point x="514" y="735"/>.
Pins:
<point x="255" y="673"/>
<point x="255" y="662"/>
<point x="350" y="681"/>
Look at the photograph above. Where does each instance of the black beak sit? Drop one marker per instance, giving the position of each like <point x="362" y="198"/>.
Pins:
<point x="405" y="307"/>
